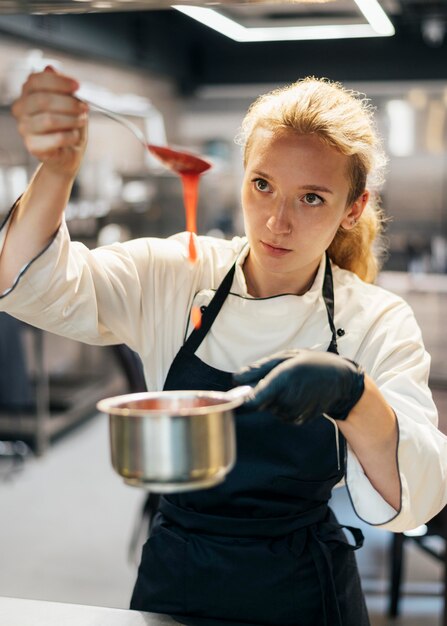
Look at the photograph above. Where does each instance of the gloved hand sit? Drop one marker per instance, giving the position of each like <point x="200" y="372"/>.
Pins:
<point x="299" y="385"/>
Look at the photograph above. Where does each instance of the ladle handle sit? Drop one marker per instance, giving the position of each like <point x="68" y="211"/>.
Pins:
<point x="118" y="118"/>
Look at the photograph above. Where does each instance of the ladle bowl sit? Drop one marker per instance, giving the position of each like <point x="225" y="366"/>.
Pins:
<point x="179" y="162"/>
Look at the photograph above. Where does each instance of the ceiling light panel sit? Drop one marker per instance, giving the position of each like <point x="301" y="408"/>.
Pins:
<point x="261" y="21"/>
<point x="246" y="20"/>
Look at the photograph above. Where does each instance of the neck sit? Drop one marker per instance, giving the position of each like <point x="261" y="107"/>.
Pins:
<point x="264" y="285"/>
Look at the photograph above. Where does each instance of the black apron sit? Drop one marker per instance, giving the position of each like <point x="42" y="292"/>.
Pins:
<point x="263" y="547"/>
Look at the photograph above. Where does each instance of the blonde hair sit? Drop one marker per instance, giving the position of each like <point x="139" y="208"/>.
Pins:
<point x="344" y="120"/>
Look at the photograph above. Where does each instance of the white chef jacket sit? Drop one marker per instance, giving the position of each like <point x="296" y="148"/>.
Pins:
<point x="141" y="292"/>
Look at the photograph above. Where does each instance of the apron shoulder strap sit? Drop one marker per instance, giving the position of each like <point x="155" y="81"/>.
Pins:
<point x="328" y="296"/>
<point x="210" y="313"/>
<point x="212" y="310"/>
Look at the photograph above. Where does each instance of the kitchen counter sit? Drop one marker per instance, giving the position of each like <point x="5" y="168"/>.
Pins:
<point x="405" y="282"/>
<point x="18" y="612"/>
<point x="427" y="296"/>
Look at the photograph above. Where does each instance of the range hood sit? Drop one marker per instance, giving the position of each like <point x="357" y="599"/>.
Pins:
<point x="86" y="6"/>
<point x="245" y="20"/>
<point x="334" y="8"/>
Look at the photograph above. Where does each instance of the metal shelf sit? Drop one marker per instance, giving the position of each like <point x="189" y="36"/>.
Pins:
<point x="61" y="401"/>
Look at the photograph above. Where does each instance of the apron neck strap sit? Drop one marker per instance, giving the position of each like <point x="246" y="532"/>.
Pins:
<point x="328" y="297"/>
<point x="212" y="310"/>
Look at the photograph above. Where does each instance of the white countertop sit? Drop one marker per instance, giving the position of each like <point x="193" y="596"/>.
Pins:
<point x="19" y="612"/>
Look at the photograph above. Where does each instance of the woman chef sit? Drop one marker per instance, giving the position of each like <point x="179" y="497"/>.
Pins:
<point x="338" y="364"/>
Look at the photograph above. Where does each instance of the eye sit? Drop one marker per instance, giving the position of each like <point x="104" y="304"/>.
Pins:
<point x="313" y="199"/>
<point x="261" y="184"/>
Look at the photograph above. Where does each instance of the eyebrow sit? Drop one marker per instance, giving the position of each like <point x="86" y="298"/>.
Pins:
<point x="317" y="188"/>
<point x="307" y="187"/>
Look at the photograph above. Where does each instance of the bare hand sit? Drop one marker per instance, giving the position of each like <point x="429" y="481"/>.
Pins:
<point x="52" y="121"/>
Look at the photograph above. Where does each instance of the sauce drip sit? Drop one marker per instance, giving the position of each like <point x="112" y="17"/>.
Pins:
<point x="190" y="182"/>
<point x="189" y="167"/>
<point x="196" y="317"/>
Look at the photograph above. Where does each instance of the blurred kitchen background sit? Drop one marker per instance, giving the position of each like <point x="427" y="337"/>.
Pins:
<point x="67" y="521"/>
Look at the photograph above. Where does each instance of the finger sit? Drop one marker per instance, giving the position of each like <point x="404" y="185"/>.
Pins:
<point x="45" y="101"/>
<point x="51" y="142"/>
<point x="263" y="395"/>
<point x="40" y="101"/>
<point x="249" y="376"/>
<point x="257" y="371"/>
<point x="49" y="123"/>
<point x="49" y="81"/>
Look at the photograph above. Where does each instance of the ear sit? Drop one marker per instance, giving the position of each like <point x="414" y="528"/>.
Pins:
<point x="354" y="212"/>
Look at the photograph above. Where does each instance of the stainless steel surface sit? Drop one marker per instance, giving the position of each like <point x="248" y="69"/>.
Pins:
<point x="339" y="10"/>
<point x="19" y="612"/>
<point x="79" y="6"/>
<point x="175" y="440"/>
<point x="84" y="6"/>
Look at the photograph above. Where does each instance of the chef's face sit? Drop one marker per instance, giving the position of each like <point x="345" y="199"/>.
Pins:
<point x="294" y="198"/>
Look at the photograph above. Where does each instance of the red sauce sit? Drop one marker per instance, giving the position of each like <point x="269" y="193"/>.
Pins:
<point x="190" y="182"/>
<point x="196" y="316"/>
<point x="189" y="168"/>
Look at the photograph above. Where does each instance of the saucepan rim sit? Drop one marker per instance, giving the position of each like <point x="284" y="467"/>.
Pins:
<point x="113" y="405"/>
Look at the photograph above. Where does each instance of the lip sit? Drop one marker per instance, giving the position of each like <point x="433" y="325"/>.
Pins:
<point x="273" y="250"/>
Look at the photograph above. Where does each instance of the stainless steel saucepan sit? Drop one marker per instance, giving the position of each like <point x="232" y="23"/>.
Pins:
<point x="172" y="441"/>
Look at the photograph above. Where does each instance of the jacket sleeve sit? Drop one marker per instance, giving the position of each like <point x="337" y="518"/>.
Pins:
<point x="114" y="294"/>
<point x="395" y="357"/>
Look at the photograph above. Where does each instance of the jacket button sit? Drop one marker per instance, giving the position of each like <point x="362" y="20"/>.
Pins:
<point x="341" y="332"/>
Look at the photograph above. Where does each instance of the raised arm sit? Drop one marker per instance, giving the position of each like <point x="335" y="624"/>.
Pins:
<point x="53" y="124"/>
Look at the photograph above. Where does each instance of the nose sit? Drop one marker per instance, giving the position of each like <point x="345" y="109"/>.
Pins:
<point x="279" y="221"/>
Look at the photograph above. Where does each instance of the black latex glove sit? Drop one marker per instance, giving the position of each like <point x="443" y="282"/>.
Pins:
<point x="298" y="385"/>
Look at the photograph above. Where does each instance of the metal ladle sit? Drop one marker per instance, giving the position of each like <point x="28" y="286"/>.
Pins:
<point x="178" y="161"/>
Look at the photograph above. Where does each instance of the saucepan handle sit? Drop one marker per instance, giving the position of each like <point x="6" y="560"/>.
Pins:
<point x="239" y="393"/>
